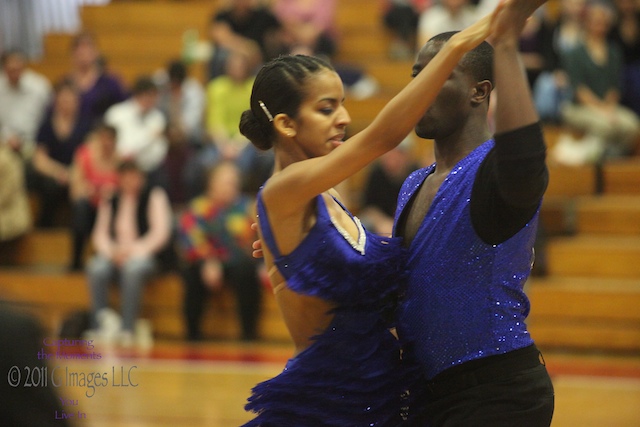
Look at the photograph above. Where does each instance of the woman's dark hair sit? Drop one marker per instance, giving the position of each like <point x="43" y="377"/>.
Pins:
<point x="102" y="126"/>
<point x="64" y="84"/>
<point x="280" y="87"/>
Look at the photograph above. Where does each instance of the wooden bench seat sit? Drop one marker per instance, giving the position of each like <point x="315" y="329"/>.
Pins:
<point x="52" y="296"/>
<point x="585" y="313"/>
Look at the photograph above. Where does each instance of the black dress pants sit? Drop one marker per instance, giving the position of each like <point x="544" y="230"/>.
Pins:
<point x="241" y="274"/>
<point x="508" y="390"/>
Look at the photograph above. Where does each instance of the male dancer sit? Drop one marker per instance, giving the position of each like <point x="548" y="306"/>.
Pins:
<point x="470" y="221"/>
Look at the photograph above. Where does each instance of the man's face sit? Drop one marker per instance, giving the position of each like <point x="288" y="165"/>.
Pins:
<point x="147" y="100"/>
<point x="452" y="105"/>
<point x="14" y="66"/>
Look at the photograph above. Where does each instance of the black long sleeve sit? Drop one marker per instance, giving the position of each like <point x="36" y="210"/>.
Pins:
<point x="510" y="184"/>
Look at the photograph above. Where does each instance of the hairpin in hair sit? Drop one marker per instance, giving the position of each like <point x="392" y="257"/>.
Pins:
<point x="266" y="110"/>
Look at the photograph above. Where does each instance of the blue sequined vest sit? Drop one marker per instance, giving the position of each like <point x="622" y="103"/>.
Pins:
<point x="465" y="298"/>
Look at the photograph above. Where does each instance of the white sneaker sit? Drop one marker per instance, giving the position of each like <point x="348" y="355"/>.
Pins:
<point x="144" y="334"/>
<point x="126" y="339"/>
<point x="109" y="325"/>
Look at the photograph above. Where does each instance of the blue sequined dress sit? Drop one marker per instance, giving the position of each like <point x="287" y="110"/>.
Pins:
<point x="351" y="375"/>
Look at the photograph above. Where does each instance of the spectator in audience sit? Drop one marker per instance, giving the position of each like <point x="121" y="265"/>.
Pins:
<point x="62" y="131"/>
<point x="309" y="25"/>
<point x="248" y="27"/>
<point x="626" y="32"/>
<point x="400" y="17"/>
<point x="141" y="127"/>
<point x="99" y="88"/>
<point x="447" y="15"/>
<point x="309" y="29"/>
<point x="93" y="177"/>
<point x="595" y="68"/>
<point x="484" y="7"/>
<point x="15" y="212"/>
<point x="531" y="47"/>
<point x="215" y="239"/>
<point x="25" y="96"/>
<point x="182" y="100"/>
<point x="380" y="193"/>
<point x="558" y="35"/>
<point x="227" y="97"/>
<point x="131" y="229"/>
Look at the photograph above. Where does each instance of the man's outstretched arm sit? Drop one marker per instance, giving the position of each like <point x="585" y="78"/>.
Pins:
<point x="514" y="106"/>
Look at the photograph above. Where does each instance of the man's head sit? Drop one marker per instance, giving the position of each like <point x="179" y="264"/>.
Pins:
<point x="177" y="73"/>
<point x="13" y="65"/>
<point x="145" y="92"/>
<point x="84" y="50"/>
<point x="466" y="93"/>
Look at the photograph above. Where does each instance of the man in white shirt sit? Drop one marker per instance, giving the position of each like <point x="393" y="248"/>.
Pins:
<point x="24" y="96"/>
<point x="141" y="129"/>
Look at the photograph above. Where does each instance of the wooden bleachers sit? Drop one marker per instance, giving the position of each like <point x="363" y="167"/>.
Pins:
<point x="136" y="37"/>
<point x="588" y="301"/>
<point x="582" y="313"/>
<point x="53" y="294"/>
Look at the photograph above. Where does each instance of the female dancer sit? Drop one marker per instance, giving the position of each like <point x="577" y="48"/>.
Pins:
<point x="333" y="281"/>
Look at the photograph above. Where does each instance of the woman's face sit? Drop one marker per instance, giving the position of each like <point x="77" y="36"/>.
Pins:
<point x="598" y="20"/>
<point x="572" y="8"/>
<point x="106" y="142"/>
<point x="224" y="184"/>
<point x="67" y="101"/>
<point x="322" y="119"/>
<point x="131" y="181"/>
<point x="86" y="52"/>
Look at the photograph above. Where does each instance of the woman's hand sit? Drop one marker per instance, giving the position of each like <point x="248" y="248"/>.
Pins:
<point x="256" y="245"/>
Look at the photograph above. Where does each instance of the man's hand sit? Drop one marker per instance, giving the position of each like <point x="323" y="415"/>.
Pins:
<point x="510" y="23"/>
<point x="212" y="274"/>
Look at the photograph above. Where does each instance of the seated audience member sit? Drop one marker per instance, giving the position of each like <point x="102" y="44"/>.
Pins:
<point x="227" y="97"/>
<point x="531" y="47"/>
<point x="558" y="35"/>
<point x="380" y="194"/>
<point x="93" y="177"/>
<point x="595" y="68"/>
<point x="248" y="27"/>
<point x="309" y="25"/>
<point x="182" y="100"/>
<point x="131" y="229"/>
<point x="15" y="212"/>
<point x="141" y="127"/>
<point x="215" y="239"/>
<point x="25" y="96"/>
<point x="62" y="131"/>
<point x="400" y="17"/>
<point x="484" y="7"/>
<point x="447" y="15"/>
<point x="626" y="32"/>
<point x="99" y="89"/>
